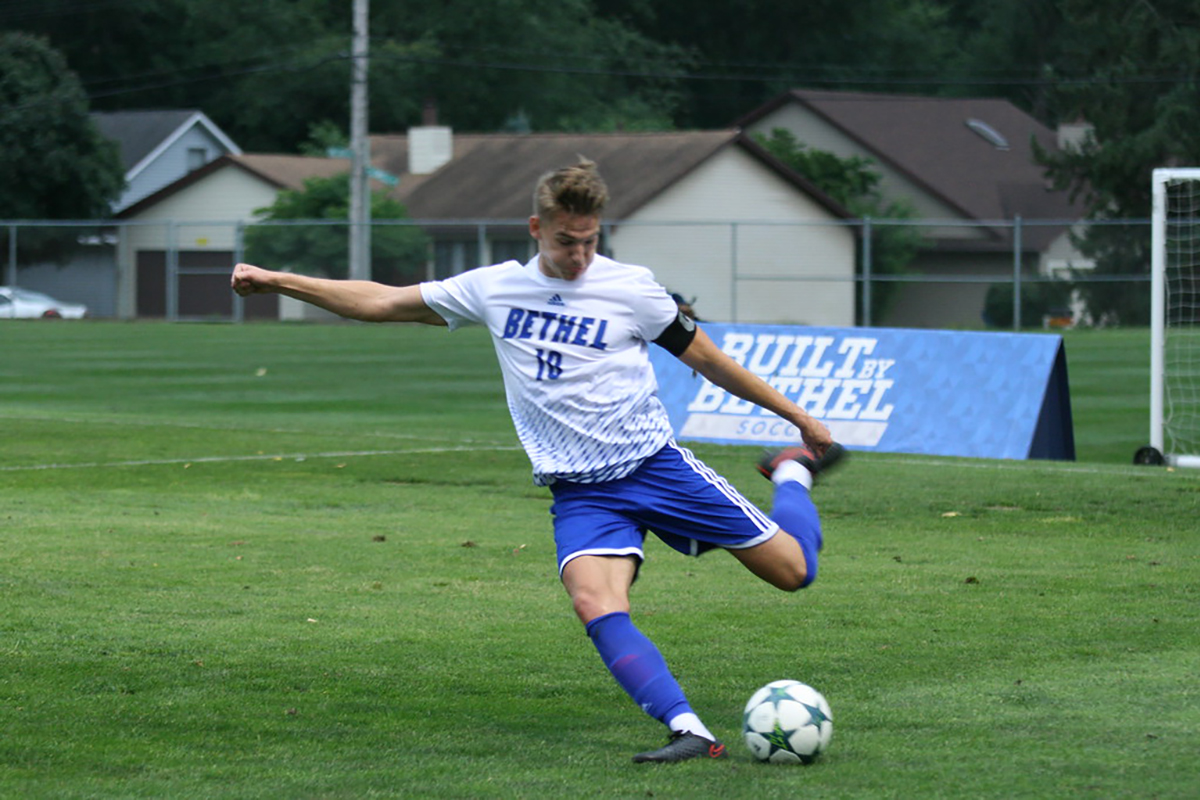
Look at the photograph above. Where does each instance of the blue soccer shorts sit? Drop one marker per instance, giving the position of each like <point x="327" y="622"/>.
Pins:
<point x="673" y="495"/>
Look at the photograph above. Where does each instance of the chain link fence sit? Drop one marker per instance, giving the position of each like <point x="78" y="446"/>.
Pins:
<point x="1000" y="274"/>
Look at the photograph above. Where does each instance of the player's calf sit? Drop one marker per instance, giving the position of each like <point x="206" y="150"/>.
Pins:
<point x="793" y="470"/>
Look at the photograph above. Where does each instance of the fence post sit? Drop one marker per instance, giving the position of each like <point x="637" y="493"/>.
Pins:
<point x="1017" y="273"/>
<point x="481" y="242"/>
<point x="239" y="255"/>
<point x="866" y="271"/>
<point x="12" y="255"/>
<point x="172" y="273"/>
<point x="733" y="271"/>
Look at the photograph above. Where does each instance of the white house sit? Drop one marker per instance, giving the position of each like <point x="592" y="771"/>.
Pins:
<point x="188" y="231"/>
<point x="156" y="148"/>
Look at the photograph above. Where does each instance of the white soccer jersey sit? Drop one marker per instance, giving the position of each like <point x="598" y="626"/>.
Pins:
<point x="574" y="354"/>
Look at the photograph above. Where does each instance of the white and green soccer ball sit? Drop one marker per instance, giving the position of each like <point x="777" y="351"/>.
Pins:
<point x="787" y="722"/>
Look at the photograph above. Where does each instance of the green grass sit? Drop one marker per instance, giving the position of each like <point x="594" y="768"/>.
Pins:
<point x="253" y="561"/>
<point x="1109" y="373"/>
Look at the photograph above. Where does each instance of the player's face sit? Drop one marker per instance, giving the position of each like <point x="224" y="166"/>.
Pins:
<point x="566" y="243"/>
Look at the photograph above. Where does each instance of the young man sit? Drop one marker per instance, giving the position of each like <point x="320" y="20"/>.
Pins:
<point x="572" y="331"/>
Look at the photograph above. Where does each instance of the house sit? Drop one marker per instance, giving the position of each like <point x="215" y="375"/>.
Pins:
<point x="156" y="149"/>
<point x="187" y="234"/>
<point x="967" y="164"/>
<point x="159" y="147"/>
<point x="711" y="212"/>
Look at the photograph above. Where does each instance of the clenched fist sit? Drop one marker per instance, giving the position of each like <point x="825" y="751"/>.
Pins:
<point x="248" y="279"/>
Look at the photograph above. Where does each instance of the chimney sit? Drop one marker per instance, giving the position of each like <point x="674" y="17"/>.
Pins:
<point x="430" y="146"/>
<point x="1072" y="135"/>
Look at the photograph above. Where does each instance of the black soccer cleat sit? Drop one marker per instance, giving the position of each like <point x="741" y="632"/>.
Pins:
<point x="683" y="746"/>
<point x="801" y="453"/>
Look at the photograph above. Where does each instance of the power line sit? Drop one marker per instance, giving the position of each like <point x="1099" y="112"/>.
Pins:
<point x="215" y="71"/>
<point x="810" y="75"/>
<point x="798" y="75"/>
<point x="35" y="9"/>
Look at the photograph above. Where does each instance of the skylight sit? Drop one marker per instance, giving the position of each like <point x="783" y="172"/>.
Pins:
<point x="990" y="134"/>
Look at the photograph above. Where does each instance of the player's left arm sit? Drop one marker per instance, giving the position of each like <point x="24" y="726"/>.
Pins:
<point x="703" y="355"/>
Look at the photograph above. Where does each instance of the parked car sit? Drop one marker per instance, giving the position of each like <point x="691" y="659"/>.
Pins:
<point x="17" y="303"/>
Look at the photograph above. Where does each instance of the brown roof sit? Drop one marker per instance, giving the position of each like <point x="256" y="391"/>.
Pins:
<point x="928" y="140"/>
<point x="491" y="176"/>
<point x="290" y="172"/>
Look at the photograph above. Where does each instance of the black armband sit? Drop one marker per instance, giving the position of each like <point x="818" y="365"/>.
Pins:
<point x="678" y="335"/>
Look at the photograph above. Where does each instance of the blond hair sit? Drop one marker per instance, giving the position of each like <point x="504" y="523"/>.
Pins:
<point x="577" y="190"/>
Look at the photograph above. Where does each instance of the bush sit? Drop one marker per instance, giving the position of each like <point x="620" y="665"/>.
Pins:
<point x="1038" y="299"/>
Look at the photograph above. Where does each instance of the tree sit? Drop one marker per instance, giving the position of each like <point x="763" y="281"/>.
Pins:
<point x="398" y="252"/>
<point x="558" y="66"/>
<point x="205" y="54"/>
<point x="853" y="184"/>
<point x="54" y="164"/>
<point x="1142" y="97"/>
<point x="265" y="71"/>
<point x="1007" y="50"/>
<point x="743" y="52"/>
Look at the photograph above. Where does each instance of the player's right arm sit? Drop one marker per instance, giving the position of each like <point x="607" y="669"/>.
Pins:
<point x="703" y="355"/>
<point x="362" y="300"/>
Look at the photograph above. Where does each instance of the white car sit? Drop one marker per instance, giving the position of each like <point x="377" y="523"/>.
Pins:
<point x="17" y="303"/>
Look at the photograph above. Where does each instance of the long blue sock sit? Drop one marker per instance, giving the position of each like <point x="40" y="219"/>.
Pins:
<point x="796" y="514"/>
<point x="638" y="666"/>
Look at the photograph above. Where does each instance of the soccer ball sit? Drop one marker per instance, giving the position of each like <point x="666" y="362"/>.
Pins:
<point x="787" y="722"/>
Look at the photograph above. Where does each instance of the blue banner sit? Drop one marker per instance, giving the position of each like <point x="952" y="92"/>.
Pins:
<point x="988" y="395"/>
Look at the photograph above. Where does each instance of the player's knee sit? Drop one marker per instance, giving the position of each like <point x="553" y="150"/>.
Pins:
<point x="779" y="561"/>
<point x="586" y="608"/>
<point x="790" y="578"/>
<point x="589" y="605"/>
<point x="796" y="581"/>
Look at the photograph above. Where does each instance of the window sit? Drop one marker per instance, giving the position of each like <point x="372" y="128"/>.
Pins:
<point x="516" y="250"/>
<point x="990" y="134"/>
<point x="451" y="257"/>
<point x="197" y="157"/>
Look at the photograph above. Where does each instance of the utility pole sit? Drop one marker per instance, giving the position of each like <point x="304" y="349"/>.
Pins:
<point x="360" y="193"/>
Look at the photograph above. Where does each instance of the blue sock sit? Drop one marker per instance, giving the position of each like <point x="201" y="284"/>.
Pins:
<point x="796" y="514"/>
<point x="638" y="666"/>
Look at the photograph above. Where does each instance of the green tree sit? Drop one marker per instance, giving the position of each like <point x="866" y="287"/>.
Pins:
<point x="1142" y="97"/>
<point x="54" y="164"/>
<point x="398" y="252"/>
<point x="214" y="55"/>
<point x="323" y="137"/>
<point x="265" y="71"/>
<point x="855" y="185"/>
<point x="1007" y="50"/>
<point x="557" y="66"/>
<point x="743" y="52"/>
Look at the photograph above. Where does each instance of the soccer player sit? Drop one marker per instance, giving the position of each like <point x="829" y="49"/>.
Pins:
<point x="572" y="331"/>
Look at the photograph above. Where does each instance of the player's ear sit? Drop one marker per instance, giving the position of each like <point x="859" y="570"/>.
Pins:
<point x="535" y="226"/>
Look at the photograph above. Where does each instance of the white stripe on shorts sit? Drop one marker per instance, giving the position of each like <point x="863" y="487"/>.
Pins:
<point x="753" y="512"/>
<point x="602" y="551"/>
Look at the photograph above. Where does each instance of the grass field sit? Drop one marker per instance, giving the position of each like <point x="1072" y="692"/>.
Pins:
<point x="308" y="562"/>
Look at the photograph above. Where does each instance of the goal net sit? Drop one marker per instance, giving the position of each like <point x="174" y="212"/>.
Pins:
<point x="1175" y="318"/>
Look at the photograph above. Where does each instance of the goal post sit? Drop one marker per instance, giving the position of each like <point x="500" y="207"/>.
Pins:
<point x="1174" y="319"/>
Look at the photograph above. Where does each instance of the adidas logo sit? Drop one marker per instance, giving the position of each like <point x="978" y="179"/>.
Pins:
<point x="556" y="300"/>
